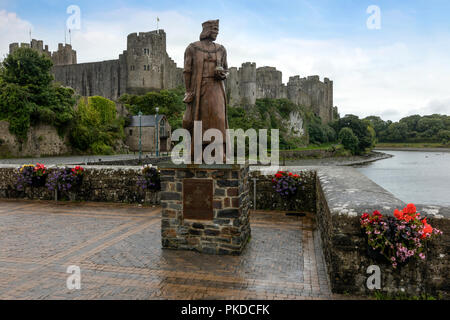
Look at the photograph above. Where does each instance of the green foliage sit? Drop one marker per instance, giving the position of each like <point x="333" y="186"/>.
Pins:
<point x="444" y="136"/>
<point x="319" y="133"/>
<point x="28" y="97"/>
<point x="27" y="68"/>
<point x="360" y="128"/>
<point x="349" y="140"/>
<point x="412" y="129"/>
<point x="97" y="129"/>
<point x="170" y="103"/>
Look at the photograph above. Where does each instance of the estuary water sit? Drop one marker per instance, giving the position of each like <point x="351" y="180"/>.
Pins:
<point x="412" y="176"/>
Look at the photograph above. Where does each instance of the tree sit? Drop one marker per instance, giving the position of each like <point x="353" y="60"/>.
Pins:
<point x="444" y="136"/>
<point x="377" y="124"/>
<point x="169" y="102"/>
<point x="360" y="128"/>
<point x="28" y="96"/>
<point x="97" y="127"/>
<point x="349" y="140"/>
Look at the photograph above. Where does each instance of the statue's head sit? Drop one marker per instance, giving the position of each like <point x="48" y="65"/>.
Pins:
<point x="210" y="30"/>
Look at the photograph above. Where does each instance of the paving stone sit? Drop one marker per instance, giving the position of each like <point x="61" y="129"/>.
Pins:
<point x="119" y="251"/>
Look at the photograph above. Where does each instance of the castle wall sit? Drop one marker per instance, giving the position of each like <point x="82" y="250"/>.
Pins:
<point x="92" y="79"/>
<point x="42" y="140"/>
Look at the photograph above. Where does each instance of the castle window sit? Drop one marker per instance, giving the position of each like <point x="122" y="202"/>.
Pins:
<point x="145" y="67"/>
<point x="148" y="67"/>
<point x="132" y="68"/>
<point x="131" y="132"/>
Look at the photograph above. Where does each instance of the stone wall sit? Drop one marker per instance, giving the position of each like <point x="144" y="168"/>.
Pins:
<point x="343" y="195"/>
<point x="106" y="78"/>
<point x="43" y="140"/>
<point x="340" y="196"/>
<point x="228" y="230"/>
<point x="100" y="184"/>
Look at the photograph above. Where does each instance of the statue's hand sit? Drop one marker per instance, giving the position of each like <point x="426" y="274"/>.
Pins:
<point x="188" y="97"/>
<point x="221" y="74"/>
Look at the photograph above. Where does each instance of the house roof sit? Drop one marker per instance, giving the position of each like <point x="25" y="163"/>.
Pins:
<point x="146" y="121"/>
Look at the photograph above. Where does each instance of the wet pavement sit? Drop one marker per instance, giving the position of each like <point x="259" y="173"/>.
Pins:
<point x="118" y="250"/>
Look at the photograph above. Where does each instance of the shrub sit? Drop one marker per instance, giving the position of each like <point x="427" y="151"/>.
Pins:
<point x="349" y="140"/>
<point x="97" y="129"/>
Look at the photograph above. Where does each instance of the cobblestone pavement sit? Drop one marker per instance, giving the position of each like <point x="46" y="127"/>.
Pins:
<point x="118" y="249"/>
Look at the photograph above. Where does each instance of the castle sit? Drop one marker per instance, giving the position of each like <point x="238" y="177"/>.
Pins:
<point x="146" y="66"/>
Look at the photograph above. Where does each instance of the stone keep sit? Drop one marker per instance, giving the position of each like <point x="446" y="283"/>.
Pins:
<point x="216" y="221"/>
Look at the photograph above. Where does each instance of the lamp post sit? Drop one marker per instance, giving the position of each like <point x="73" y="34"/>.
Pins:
<point x="157" y="132"/>
<point x="140" y="136"/>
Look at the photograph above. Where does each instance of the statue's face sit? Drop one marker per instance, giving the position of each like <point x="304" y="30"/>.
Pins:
<point x="214" y="32"/>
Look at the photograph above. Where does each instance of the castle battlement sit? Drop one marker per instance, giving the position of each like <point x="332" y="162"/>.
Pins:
<point x="64" y="56"/>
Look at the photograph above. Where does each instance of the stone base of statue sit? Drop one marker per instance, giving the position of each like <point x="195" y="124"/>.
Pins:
<point x="205" y="208"/>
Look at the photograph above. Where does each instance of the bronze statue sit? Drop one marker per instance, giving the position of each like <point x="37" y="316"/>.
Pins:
<point x="205" y="69"/>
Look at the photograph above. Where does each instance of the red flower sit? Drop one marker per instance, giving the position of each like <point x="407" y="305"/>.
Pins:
<point x="398" y="214"/>
<point x="365" y="216"/>
<point x="410" y="209"/>
<point x="278" y="175"/>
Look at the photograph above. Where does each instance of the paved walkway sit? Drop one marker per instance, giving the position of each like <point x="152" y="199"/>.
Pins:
<point x="118" y="249"/>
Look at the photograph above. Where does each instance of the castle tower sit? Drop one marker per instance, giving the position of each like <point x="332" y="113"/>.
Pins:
<point x="247" y="84"/>
<point x="64" y="56"/>
<point x="146" y="61"/>
<point x="269" y="82"/>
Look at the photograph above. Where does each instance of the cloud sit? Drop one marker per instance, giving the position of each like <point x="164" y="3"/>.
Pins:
<point x="12" y="29"/>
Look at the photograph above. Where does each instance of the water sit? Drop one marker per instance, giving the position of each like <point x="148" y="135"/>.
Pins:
<point x="413" y="177"/>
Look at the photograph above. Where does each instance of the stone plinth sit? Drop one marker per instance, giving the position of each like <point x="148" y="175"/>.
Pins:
<point x="205" y="208"/>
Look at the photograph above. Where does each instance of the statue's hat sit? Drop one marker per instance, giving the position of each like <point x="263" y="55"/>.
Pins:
<point x="210" y="23"/>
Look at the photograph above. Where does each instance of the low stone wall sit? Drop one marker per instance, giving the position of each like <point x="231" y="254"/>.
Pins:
<point x="100" y="184"/>
<point x="343" y="195"/>
<point x="268" y="199"/>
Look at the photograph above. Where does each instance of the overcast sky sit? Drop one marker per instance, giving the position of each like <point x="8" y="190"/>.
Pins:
<point x="398" y="70"/>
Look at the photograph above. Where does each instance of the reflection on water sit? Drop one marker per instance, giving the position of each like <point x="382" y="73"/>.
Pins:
<point x="414" y="177"/>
